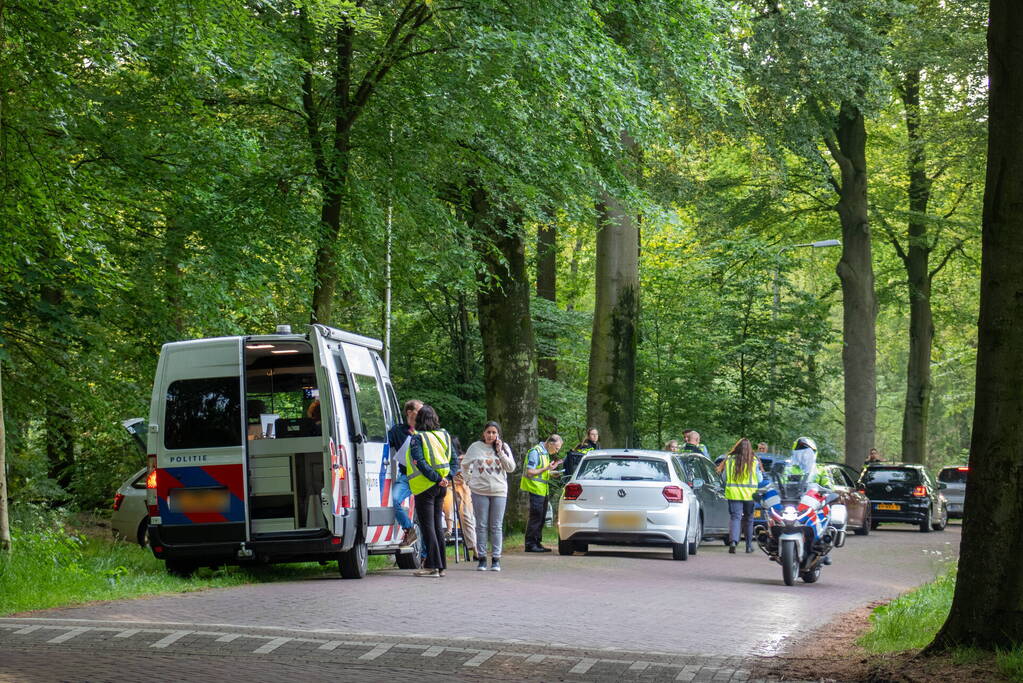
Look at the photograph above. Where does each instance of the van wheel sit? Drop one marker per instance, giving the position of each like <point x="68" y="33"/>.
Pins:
<point x="414" y="559"/>
<point x="353" y="563"/>
<point x="142" y="535"/>
<point x="180" y="568"/>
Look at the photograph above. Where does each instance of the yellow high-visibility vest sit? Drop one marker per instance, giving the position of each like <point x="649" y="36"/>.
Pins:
<point x="737" y="488"/>
<point x="437" y="451"/>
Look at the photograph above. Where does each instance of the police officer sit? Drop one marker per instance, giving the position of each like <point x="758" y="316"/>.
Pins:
<point x="743" y="473"/>
<point x="535" y="482"/>
<point x="590" y="443"/>
<point x="428" y="463"/>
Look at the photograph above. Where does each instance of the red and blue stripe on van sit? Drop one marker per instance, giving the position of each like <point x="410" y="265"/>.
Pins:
<point x="228" y="477"/>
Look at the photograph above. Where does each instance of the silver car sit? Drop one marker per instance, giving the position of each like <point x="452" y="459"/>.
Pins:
<point x="628" y="497"/>
<point x="130" y="520"/>
<point x="954" y="479"/>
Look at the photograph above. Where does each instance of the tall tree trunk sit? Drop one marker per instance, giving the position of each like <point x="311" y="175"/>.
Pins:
<point x="506" y="328"/>
<point x="547" y="283"/>
<point x="5" y="524"/>
<point x="918" y="279"/>
<point x="611" y="389"/>
<point x="856" y="271"/>
<point x="987" y="608"/>
<point x="60" y="437"/>
<point x="175" y="237"/>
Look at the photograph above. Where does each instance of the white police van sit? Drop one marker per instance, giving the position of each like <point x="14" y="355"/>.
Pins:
<point x="272" y="448"/>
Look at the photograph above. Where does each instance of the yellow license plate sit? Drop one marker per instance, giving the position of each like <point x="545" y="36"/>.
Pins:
<point x="623" y="520"/>
<point x="199" y="500"/>
<point x="888" y="506"/>
<point x="758" y="513"/>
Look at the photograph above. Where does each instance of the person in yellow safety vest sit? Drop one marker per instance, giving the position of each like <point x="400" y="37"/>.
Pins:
<point x="428" y="464"/>
<point x="538" y="470"/>
<point x="743" y="472"/>
<point x="804" y="462"/>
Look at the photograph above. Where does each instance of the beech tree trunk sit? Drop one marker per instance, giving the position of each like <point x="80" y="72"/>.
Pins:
<point x="506" y="329"/>
<point x="856" y="272"/>
<point x="611" y="389"/>
<point x="546" y="284"/>
<point x="918" y="279"/>
<point x="987" y="609"/>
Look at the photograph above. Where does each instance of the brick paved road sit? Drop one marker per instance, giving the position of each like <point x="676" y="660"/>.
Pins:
<point x="609" y="615"/>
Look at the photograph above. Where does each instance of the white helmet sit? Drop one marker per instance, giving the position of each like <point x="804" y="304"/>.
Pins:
<point x="805" y="442"/>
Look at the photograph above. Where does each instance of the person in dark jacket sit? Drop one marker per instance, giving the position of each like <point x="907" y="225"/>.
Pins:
<point x="429" y="463"/>
<point x="590" y="443"/>
<point x="399" y="494"/>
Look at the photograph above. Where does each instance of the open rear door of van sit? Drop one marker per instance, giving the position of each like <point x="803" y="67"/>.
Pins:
<point x="196" y="431"/>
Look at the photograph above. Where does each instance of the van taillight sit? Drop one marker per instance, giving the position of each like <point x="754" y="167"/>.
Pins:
<point x="118" y="499"/>
<point x="154" y="510"/>
<point x="346" y="498"/>
<point x="672" y="494"/>
<point x="920" y="492"/>
<point x="572" y="491"/>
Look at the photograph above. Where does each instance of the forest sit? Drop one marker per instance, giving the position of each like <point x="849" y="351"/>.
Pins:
<point x="555" y="214"/>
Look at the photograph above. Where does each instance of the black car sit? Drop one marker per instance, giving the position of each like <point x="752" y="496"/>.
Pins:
<point x="904" y="493"/>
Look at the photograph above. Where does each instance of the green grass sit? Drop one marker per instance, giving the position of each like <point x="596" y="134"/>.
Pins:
<point x="911" y="621"/>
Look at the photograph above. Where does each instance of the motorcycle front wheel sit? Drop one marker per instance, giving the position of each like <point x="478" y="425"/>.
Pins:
<point x="789" y="562"/>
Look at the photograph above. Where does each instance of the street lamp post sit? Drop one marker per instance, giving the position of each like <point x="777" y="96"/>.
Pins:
<point x="777" y="296"/>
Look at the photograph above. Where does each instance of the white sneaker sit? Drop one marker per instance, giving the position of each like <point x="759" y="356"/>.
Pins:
<point x="495" y="564"/>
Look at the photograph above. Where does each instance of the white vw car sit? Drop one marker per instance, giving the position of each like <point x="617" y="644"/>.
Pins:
<point x="628" y="497"/>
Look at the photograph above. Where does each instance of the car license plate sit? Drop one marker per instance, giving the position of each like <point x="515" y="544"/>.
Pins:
<point x="199" y="500"/>
<point x="888" y="506"/>
<point x="623" y="520"/>
<point x="758" y="513"/>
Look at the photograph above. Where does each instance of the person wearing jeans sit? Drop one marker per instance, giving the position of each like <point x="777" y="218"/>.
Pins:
<point x="398" y="440"/>
<point x="484" y="468"/>
<point x="743" y="473"/>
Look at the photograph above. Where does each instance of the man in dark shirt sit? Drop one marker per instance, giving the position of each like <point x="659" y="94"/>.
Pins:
<point x="396" y="439"/>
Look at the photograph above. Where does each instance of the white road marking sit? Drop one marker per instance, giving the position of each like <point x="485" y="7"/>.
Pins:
<point x="229" y="637"/>
<point x="639" y="666"/>
<point x="330" y="645"/>
<point x="127" y="633"/>
<point x="27" y="629"/>
<point x="376" y="652"/>
<point x="688" y="672"/>
<point x="480" y="658"/>
<point x="534" y="659"/>
<point x="77" y="631"/>
<point x="271" y="646"/>
<point x="170" y="639"/>
<point x="583" y="666"/>
<point x="433" y="651"/>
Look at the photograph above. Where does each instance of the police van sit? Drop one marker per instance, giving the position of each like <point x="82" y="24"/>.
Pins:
<point x="272" y="448"/>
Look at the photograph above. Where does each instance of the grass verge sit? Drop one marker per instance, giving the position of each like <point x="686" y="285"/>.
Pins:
<point x="911" y="621"/>
<point x="60" y="561"/>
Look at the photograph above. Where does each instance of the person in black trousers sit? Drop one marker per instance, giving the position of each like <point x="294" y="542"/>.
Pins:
<point x="428" y="463"/>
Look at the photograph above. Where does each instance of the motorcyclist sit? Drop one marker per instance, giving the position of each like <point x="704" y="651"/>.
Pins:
<point x="804" y="462"/>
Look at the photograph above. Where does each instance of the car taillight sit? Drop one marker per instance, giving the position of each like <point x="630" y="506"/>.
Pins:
<point x="118" y="499"/>
<point x="962" y="469"/>
<point x="672" y="494"/>
<point x="862" y="490"/>
<point x="920" y="492"/>
<point x="572" y="491"/>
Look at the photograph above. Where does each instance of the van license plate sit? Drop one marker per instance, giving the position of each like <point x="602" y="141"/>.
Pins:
<point x="199" y="500"/>
<point x="888" y="506"/>
<point x="624" y="520"/>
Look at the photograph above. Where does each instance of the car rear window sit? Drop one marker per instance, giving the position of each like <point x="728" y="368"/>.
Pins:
<point x="624" y="469"/>
<point x="953" y="475"/>
<point x="885" y="476"/>
<point x="203" y="413"/>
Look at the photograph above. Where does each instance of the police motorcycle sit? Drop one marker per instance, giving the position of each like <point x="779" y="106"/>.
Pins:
<point x="803" y="523"/>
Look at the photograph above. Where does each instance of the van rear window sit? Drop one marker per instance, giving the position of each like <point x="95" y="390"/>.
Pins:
<point x="203" y="413"/>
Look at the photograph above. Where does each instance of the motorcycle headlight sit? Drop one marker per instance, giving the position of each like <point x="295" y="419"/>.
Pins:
<point x="789" y="514"/>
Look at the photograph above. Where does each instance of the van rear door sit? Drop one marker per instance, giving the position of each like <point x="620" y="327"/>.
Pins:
<point x="196" y="431"/>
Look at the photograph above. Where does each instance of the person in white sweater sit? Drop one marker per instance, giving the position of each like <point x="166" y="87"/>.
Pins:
<point x="485" y="467"/>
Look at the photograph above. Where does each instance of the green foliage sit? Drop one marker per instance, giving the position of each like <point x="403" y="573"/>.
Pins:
<point x="912" y="620"/>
